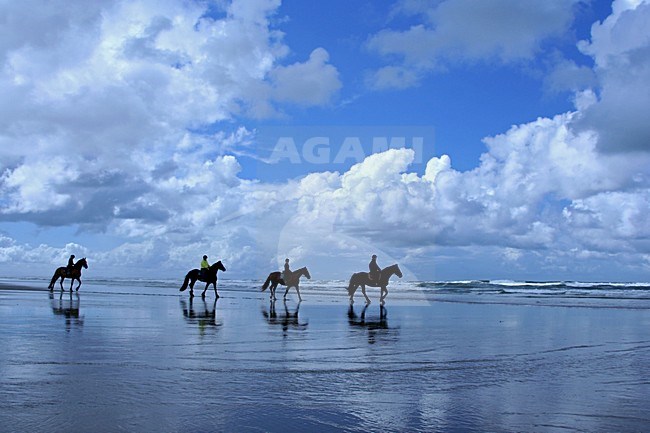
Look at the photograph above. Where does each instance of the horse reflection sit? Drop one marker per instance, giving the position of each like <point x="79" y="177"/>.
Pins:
<point x="203" y="314"/>
<point x="286" y="320"/>
<point x="68" y="307"/>
<point x="374" y="325"/>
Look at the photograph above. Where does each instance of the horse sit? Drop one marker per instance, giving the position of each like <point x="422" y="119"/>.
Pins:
<point x="293" y="280"/>
<point x="362" y="279"/>
<point x="73" y="274"/>
<point x="210" y="277"/>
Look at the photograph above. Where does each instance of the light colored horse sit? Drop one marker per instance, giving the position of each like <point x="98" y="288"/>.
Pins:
<point x="292" y="280"/>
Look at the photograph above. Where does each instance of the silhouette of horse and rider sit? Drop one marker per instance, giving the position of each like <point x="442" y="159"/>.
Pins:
<point x="67" y="308"/>
<point x="377" y="277"/>
<point x="286" y="278"/>
<point x="72" y="271"/>
<point x="286" y="320"/>
<point x="207" y="274"/>
<point x="203" y="315"/>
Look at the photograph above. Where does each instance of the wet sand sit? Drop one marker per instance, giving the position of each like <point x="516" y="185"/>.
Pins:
<point x="122" y="359"/>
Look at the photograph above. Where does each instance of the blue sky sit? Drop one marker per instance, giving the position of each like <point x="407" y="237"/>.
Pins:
<point x="461" y="139"/>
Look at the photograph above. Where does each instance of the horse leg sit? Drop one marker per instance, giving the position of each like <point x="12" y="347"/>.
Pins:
<point x="298" y="290"/>
<point x="77" y="289"/>
<point x="192" y="288"/>
<point x="204" y="290"/>
<point x="71" y="283"/>
<point x="61" y="283"/>
<point x="285" y="293"/>
<point x="216" y="294"/>
<point x="363" y="290"/>
<point x="384" y="293"/>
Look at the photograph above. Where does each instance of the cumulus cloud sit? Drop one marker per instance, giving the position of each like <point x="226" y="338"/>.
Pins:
<point x="313" y="82"/>
<point x="119" y="137"/>
<point x="540" y="189"/>
<point x="465" y="30"/>
<point x="620" y="47"/>
<point x="101" y="101"/>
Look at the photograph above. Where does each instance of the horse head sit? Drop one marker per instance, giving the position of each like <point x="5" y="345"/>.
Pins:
<point x="82" y="263"/>
<point x="218" y="266"/>
<point x="305" y="272"/>
<point x="390" y="270"/>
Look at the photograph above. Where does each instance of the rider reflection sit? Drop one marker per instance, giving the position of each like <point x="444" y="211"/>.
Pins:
<point x="375" y="326"/>
<point x="286" y="319"/>
<point x="67" y="306"/>
<point x="203" y="314"/>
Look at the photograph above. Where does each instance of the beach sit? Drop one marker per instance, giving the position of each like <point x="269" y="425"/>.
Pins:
<point x="146" y="357"/>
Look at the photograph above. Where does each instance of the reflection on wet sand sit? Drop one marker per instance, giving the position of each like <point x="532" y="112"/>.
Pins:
<point x="204" y="314"/>
<point x="286" y="319"/>
<point x="67" y="305"/>
<point x="375" y="326"/>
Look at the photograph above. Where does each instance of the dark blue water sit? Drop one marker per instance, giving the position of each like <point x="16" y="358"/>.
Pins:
<point x="140" y="356"/>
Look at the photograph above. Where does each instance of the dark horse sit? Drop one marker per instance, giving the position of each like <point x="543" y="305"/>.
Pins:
<point x="210" y="277"/>
<point x="362" y="279"/>
<point x="293" y="280"/>
<point x="73" y="274"/>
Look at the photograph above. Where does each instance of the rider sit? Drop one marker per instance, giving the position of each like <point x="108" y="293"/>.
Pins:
<point x="375" y="270"/>
<point x="204" y="265"/>
<point x="286" y="271"/>
<point x="70" y="265"/>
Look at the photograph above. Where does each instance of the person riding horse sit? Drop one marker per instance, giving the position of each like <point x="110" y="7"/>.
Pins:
<point x="287" y="272"/>
<point x="70" y="265"/>
<point x="375" y="270"/>
<point x="204" y="266"/>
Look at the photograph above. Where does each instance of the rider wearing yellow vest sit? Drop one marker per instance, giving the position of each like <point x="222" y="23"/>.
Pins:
<point x="204" y="265"/>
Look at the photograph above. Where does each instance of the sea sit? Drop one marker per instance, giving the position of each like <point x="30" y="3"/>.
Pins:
<point x="137" y="355"/>
<point x="562" y="293"/>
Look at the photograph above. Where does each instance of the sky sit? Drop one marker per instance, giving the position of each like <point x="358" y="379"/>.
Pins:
<point x="461" y="139"/>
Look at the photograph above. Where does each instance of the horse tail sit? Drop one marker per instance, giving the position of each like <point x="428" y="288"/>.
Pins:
<point x="186" y="282"/>
<point x="266" y="283"/>
<point x="351" y="290"/>
<point x="54" y="278"/>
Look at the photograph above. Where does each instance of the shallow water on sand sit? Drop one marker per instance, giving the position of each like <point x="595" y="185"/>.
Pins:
<point x="124" y="359"/>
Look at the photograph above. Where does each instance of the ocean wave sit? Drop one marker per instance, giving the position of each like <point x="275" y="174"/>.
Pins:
<point x="499" y="290"/>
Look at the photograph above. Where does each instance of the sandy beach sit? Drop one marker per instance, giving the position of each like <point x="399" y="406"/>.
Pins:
<point x="125" y="358"/>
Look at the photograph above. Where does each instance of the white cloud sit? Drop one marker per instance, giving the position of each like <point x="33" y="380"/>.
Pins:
<point x="101" y="102"/>
<point x="311" y="83"/>
<point x="620" y="47"/>
<point x="464" y="30"/>
<point x="105" y="138"/>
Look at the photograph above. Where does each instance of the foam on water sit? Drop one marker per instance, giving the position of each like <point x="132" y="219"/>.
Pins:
<point x="566" y="293"/>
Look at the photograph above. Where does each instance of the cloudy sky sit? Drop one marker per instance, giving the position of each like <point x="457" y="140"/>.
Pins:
<point x="462" y="139"/>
